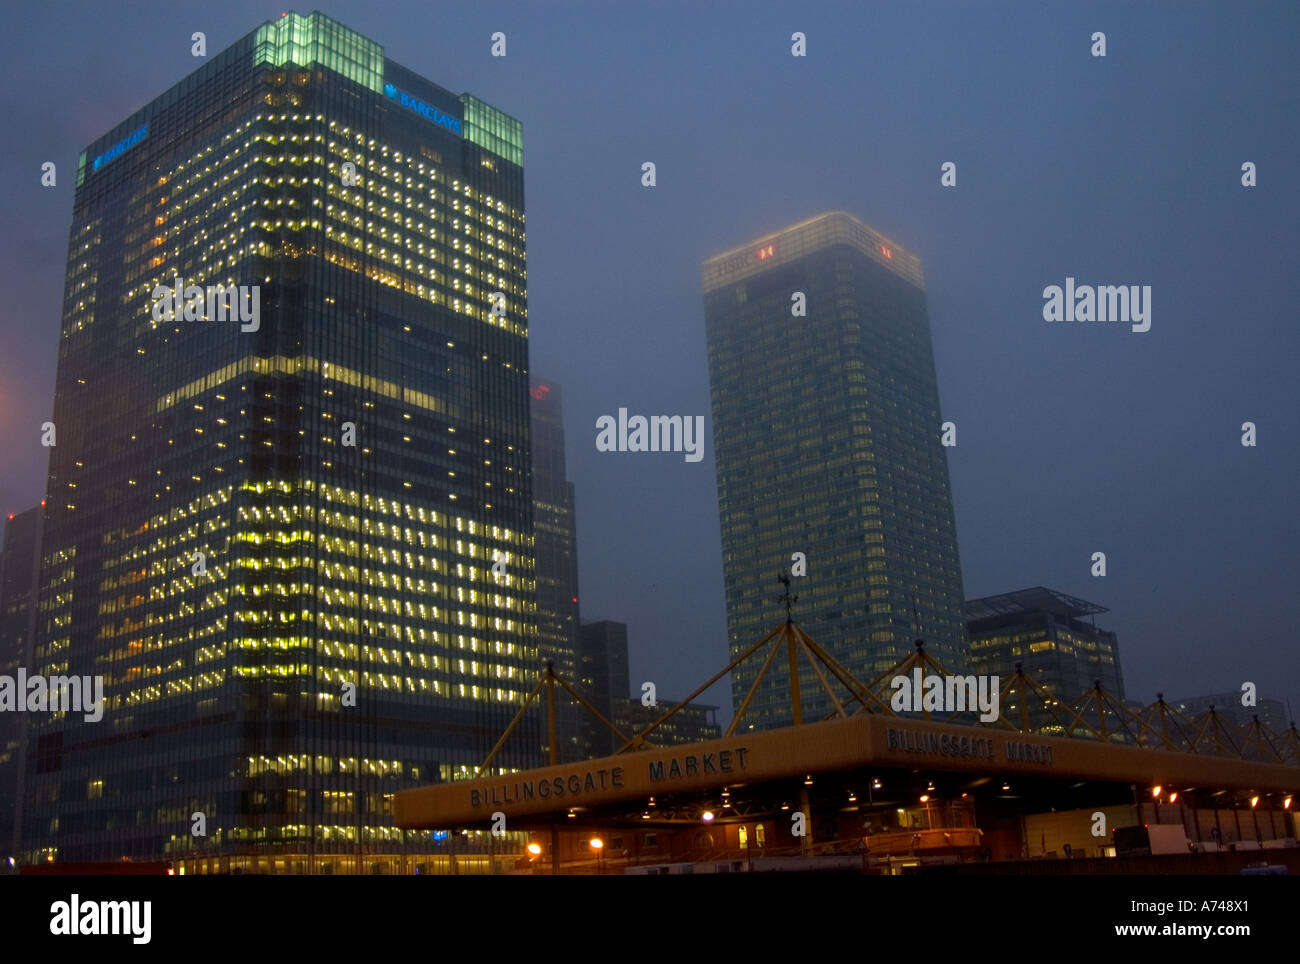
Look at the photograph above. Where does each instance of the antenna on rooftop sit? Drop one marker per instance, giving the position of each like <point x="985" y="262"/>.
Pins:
<point x="785" y="597"/>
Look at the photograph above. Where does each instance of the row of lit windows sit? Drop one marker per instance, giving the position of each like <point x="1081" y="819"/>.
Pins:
<point x="173" y="688"/>
<point x="299" y="365"/>
<point x="377" y="629"/>
<point x="293" y="762"/>
<point x="380" y="681"/>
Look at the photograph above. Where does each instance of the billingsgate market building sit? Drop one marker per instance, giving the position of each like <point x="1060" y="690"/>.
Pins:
<point x="1098" y="789"/>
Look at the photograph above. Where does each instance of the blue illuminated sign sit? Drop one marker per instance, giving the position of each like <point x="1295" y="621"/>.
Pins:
<point x="121" y="147"/>
<point x="427" y="111"/>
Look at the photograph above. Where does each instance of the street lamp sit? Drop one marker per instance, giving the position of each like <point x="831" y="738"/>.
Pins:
<point x="598" y="845"/>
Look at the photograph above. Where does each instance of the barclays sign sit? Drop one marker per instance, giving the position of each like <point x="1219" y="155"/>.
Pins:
<point x="120" y="148"/>
<point x="427" y="111"/>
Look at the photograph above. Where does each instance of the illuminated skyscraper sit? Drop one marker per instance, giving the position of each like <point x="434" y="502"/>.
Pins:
<point x="827" y="427"/>
<point x="273" y="536"/>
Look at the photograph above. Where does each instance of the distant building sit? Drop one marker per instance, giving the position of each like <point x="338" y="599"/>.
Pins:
<point x="1272" y="713"/>
<point x="1043" y="631"/>
<point x="691" y="724"/>
<point x="604" y="680"/>
<point x="556" y="550"/>
<point x="827" y="430"/>
<point x="19" y="567"/>
<point x="606" y="683"/>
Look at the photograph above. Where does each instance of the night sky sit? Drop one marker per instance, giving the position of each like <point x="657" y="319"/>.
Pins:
<point x="1072" y="438"/>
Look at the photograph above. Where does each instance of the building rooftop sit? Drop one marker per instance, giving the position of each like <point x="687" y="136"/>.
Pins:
<point x="799" y="240"/>
<point x="1037" y="599"/>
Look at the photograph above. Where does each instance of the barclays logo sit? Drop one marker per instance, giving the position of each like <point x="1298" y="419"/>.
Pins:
<point x="120" y="148"/>
<point x="426" y="111"/>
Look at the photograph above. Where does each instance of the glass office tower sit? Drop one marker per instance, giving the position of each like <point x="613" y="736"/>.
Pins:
<point x="19" y="575"/>
<point x="827" y="430"/>
<point x="556" y="553"/>
<point x="1043" y="632"/>
<point x="273" y="535"/>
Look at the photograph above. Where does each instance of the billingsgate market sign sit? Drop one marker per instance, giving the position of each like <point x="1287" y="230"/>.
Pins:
<point x="574" y="785"/>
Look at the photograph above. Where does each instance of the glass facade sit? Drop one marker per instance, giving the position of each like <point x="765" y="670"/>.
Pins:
<point x="556" y="550"/>
<point x="1270" y="713"/>
<point x="19" y="574"/>
<point x="497" y="132"/>
<point x="1041" y="631"/>
<point x="693" y="723"/>
<point x="605" y="681"/>
<point x="274" y="541"/>
<point x="307" y="41"/>
<point x="827" y="430"/>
